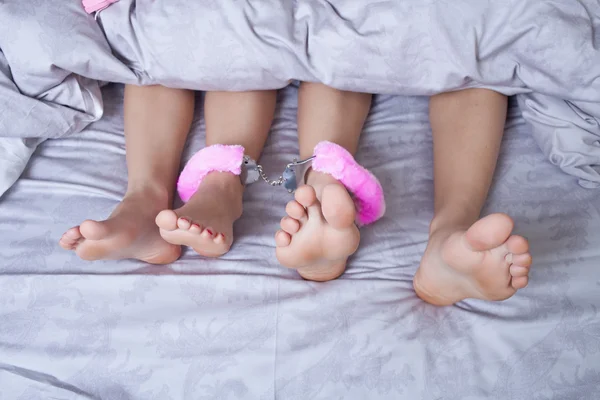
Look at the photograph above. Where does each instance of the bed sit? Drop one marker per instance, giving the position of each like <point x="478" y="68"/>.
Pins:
<point x="242" y="327"/>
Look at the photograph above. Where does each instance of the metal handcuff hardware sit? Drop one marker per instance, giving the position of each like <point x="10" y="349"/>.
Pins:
<point x="294" y="172"/>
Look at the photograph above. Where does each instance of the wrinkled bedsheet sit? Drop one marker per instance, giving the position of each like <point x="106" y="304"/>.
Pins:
<point x="242" y="327"/>
<point x="53" y="57"/>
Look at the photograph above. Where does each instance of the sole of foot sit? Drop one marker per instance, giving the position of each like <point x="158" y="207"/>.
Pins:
<point x="317" y="237"/>
<point x="484" y="262"/>
<point x="129" y="233"/>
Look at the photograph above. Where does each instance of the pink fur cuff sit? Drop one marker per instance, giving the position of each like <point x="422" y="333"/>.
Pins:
<point x="336" y="161"/>
<point x="329" y="158"/>
<point x="218" y="157"/>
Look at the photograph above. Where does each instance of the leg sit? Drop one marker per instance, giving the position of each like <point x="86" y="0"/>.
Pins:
<point x="205" y="223"/>
<point x="468" y="257"/>
<point x="157" y="121"/>
<point x="318" y="234"/>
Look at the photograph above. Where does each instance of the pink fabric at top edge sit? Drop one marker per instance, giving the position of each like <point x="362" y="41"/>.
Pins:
<point x="92" y="6"/>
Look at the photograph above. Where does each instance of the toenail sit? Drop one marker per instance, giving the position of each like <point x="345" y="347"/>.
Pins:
<point x="509" y="258"/>
<point x="210" y="232"/>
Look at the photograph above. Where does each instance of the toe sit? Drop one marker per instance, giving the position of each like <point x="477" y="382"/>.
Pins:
<point x="167" y="220"/>
<point x="518" y="271"/>
<point x="520" y="282"/>
<point x="184" y="224"/>
<point x="196" y="229"/>
<point x="282" y="239"/>
<point x="338" y="207"/>
<point x="290" y="225"/>
<point x="94" y="230"/>
<point x="522" y="260"/>
<point x="295" y="210"/>
<point x="67" y="245"/>
<point x="306" y="196"/>
<point x="517" y="245"/>
<point x="219" y="239"/>
<point x="72" y="235"/>
<point x="489" y="232"/>
<point x="70" y="239"/>
<point x="208" y="233"/>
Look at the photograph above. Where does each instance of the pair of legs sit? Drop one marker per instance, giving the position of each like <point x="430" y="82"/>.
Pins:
<point x="466" y="257"/>
<point x="319" y="234"/>
<point x="157" y="121"/>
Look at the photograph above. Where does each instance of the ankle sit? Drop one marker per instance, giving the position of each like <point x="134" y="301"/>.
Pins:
<point x="153" y="194"/>
<point x="219" y="191"/>
<point x="450" y="223"/>
<point x="224" y="182"/>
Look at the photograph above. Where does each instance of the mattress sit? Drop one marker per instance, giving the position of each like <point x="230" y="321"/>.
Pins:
<point x="242" y="327"/>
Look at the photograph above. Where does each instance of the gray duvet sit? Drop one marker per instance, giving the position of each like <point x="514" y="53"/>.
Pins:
<point x="54" y="56"/>
<point x="242" y="327"/>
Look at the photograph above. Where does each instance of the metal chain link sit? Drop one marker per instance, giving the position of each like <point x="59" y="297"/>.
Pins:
<point x="277" y="182"/>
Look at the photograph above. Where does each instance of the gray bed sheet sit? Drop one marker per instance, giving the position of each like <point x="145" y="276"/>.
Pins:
<point x="242" y="327"/>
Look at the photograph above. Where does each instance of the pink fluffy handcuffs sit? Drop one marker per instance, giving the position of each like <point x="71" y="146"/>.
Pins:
<point x="328" y="158"/>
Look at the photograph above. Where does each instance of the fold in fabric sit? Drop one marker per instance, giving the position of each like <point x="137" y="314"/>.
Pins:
<point x="14" y="156"/>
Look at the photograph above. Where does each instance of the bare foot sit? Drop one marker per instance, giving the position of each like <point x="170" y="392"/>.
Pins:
<point x="205" y="222"/>
<point x="484" y="262"/>
<point x="317" y="237"/>
<point x="129" y="232"/>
